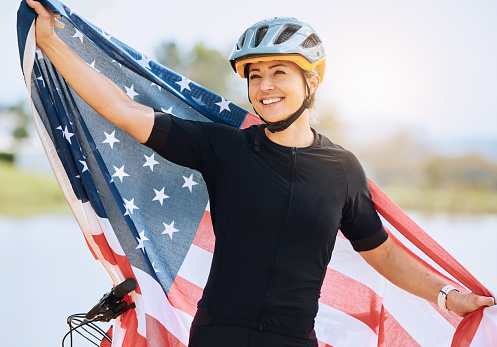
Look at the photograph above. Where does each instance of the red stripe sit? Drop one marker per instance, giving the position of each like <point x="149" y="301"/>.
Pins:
<point x="250" y="119"/>
<point x="159" y="336"/>
<point x="322" y="344"/>
<point x="361" y="302"/>
<point x="353" y="298"/>
<point x="132" y="338"/>
<point x="393" y="334"/>
<point x="184" y="295"/>
<point x="204" y="238"/>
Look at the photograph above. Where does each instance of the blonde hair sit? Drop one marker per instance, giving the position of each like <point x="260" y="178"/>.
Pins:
<point x="308" y="75"/>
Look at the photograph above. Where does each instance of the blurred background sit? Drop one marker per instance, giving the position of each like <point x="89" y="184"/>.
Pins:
<point x="410" y="88"/>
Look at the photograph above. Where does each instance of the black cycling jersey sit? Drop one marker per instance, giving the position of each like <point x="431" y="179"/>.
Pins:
<point x="275" y="213"/>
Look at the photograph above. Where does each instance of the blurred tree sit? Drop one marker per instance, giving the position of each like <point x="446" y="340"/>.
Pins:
<point x="205" y="66"/>
<point x="23" y="120"/>
<point x="470" y="171"/>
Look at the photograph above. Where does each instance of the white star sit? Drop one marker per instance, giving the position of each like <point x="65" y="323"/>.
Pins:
<point x="79" y="35"/>
<point x="39" y="54"/>
<point x="41" y="79"/>
<point x="141" y="239"/>
<point x="131" y="91"/>
<point x="129" y="205"/>
<point x="184" y="83"/>
<point x="169" y="229"/>
<point x="85" y="167"/>
<point x="110" y="139"/>
<point x="160" y="196"/>
<point x="153" y="265"/>
<point x="158" y="86"/>
<point x="93" y="66"/>
<point x="115" y="61"/>
<point x="120" y="173"/>
<point x="150" y="161"/>
<point x="144" y="61"/>
<point x="107" y="36"/>
<point x="199" y="100"/>
<point x="67" y="134"/>
<point x="170" y="111"/>
<point x="224" y="104"/>
<point x="189" y="182"/>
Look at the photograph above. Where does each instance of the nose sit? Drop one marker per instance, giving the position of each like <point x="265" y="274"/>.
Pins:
<point x="266" y="84"/>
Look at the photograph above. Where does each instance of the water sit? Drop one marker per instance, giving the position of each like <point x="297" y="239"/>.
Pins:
<point x="48" y="272"/>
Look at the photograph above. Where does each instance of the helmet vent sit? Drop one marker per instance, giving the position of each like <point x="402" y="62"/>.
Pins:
<point x="241" y="40"/>
<point x="311" y="41"/>
<point x="287" y="33"/>
<point x="261" y="32"/>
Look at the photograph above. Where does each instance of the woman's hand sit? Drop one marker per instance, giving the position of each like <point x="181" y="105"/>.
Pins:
<point x="462" y="304"/>
<point x="45" y="23"/>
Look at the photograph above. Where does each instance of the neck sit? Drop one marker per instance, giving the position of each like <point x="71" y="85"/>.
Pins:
<point x="299" y="134"/>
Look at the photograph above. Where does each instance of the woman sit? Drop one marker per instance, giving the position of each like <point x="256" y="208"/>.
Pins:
<point x="273" y="246"/>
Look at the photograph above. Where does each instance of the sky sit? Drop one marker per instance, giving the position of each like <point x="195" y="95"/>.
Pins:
<point x="425" y="65"/>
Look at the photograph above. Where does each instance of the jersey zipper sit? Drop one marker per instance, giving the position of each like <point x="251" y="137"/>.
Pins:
<point x="283" y="229"/>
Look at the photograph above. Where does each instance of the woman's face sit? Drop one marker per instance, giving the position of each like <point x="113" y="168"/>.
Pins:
<point x="276" y="89"/>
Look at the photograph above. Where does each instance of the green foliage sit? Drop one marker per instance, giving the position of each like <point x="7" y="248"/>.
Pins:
<point x="203" y="65"/>
<point x="23" y="194"/>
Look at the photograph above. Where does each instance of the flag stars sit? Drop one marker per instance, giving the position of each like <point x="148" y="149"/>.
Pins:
<point x="189" y="182"/>
<point x="224" y="105"/>
<point x="131" y="91"/>
<point x="145" y="62"/>
<point x="110" y="139"/>
<point x="158" y="86"/>
<point x="40" y="78"/>
<point x="153" y="266"/>
<point x="39" y="54"/>
<point x="160" y="196"/>
<point x="169" y="111"/>
<point x="67" y="135"/>
<point x="107" y="36"/>
<point x="79" y="35"/>
<point x="184" y="84"/>
<point x="150" y="161"/>
<point x="120" y="173"/>
<point x="129" y="205"/>
<point x="169" y="229"/>
<point x="140" y="241"/>
<point x="85" y="166"/>
<point x="93" y="66"/>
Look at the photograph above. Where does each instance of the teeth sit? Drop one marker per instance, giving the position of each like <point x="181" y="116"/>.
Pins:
<point x="271" y="101"/>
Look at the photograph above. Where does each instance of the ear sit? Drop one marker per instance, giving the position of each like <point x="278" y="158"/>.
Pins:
<point x="314" y="83"/>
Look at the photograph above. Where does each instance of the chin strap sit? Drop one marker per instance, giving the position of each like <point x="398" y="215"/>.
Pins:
<point x="283" y="124"/>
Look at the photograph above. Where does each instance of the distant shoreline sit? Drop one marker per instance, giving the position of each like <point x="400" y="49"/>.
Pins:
<point x="26" y="193"/>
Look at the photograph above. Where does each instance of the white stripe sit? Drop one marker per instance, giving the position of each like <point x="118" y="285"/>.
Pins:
<point x="155" y="303"/>
<point x="196" y="266"/>
<point x="348" y="262"/>
<point x="419" y="319"/>
<point x="338" y="329"/>
<point x="486" y="335"/>
<point x="98" y="225"/>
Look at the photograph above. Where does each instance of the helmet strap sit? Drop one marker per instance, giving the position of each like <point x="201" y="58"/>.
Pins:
<point x="284" y="124"/>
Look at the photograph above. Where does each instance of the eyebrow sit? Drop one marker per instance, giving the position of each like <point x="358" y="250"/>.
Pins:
<point x="271" y="67"/>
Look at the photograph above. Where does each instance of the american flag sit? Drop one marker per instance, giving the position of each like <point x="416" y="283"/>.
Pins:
<point x="147" y="218"/>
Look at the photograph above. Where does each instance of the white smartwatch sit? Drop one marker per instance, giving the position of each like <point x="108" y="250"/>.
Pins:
<point x="442" y="296"/>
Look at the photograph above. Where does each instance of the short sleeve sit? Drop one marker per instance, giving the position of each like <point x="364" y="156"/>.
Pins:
<point x="360" y="223"/>
<point x="180" y="141"/>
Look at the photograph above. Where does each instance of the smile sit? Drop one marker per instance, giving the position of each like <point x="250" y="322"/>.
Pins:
<point x="271" y="101"/>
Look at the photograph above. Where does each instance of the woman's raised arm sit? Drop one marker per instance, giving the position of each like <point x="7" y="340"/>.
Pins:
<point x="105" y="97"/>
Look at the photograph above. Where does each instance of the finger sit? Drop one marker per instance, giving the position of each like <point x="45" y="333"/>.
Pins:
<point x="59" y="24"/>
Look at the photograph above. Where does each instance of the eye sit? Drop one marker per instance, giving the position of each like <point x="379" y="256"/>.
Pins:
<point x="254" y="76"/>
<point x="279" y="72"/>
